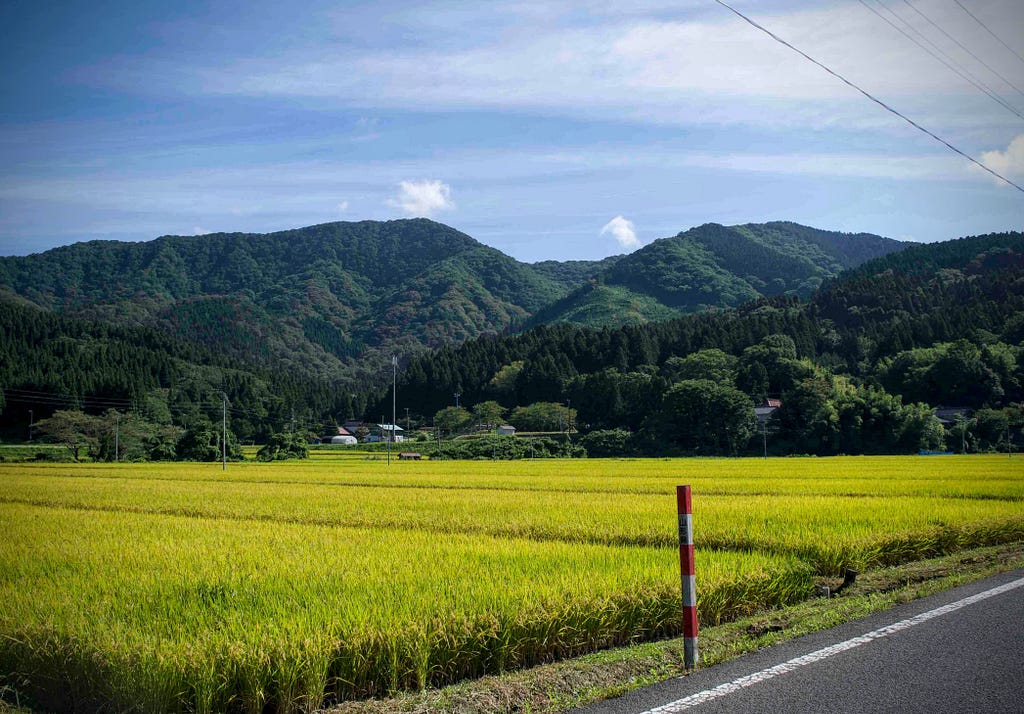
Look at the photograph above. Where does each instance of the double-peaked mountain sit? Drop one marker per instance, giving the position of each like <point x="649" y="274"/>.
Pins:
<point x="714" y="266"/>
<point x="332" y="301"/>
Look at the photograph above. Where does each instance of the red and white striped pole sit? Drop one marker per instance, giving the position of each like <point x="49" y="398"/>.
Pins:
<point x="688" y="578"/>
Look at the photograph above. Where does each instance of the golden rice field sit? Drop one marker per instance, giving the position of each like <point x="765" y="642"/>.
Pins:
<point x="288" y="586"/>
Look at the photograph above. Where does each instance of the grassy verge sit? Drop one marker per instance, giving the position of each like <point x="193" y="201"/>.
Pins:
<point x="560" y="686"/>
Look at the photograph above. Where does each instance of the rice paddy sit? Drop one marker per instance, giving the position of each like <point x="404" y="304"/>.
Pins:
<point x="181" y="587"/>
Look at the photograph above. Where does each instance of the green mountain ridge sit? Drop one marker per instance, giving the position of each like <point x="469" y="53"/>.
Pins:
<point x="714" y="266"/>
<point x="333" y="301"/>
<point x="324" y="301"/>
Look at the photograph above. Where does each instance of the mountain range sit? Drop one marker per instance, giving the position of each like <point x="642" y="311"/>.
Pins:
<point x="332" y="301"/>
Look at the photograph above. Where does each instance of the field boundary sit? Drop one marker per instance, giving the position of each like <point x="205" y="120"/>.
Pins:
<point x="564" y="685"/>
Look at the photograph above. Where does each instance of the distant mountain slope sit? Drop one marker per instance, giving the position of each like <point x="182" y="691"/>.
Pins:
<point x="575" y="273"/>
<point x="714" y="266"/>
<point x="331" y="300"/>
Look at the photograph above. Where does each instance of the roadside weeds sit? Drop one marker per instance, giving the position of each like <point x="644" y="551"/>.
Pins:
<point x="560" y="686"/>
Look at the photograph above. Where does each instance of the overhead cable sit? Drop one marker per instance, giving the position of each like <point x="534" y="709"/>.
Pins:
<point x="998" y="38"/>
<point x="959" y="44"/>
<point x="964" y="74"/>
<point x="870" y="96"/>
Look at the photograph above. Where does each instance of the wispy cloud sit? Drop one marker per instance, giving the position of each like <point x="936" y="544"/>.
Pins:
<point x="674" y="66"/>
<point x="423" y="198"/>
<point x="623" y="231"/>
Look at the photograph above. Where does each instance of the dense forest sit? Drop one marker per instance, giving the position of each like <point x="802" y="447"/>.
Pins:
<point x="858" y="367"/>
<point x="50" y="363"/>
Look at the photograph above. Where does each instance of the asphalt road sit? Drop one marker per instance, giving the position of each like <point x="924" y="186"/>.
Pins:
<point x="936" y="655"/>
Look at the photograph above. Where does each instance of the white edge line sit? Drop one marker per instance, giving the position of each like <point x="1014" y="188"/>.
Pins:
<point x="751" y="679"/>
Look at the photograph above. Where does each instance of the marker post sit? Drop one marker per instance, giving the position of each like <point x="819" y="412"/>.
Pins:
<point x="686" y="570"/>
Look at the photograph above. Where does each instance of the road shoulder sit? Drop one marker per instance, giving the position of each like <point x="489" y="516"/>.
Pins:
<point x="561" y="686"/>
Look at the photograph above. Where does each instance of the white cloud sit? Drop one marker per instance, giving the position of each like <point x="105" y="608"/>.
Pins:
<point x="624" y="232"/>
<point x="1009" y="163"/>
<point x="199" y="231"/>
<point x="343" y="207"/>
<point x="423" y="198"/>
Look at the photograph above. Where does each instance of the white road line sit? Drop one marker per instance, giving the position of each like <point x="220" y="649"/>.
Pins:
<point x="751" y="679"/>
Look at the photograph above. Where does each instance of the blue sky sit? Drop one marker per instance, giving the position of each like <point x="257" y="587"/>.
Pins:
<point x="569" y="130"/>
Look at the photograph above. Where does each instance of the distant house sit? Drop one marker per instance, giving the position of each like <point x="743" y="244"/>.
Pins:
<point x="765" y="409"/>
<point x="409" y="456"/>
<point x="386" y="432"/>
<point x="506" y="430"/>
<point x="340" y="436"/>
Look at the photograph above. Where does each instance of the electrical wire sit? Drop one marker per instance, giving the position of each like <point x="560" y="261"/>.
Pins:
<point x="999" y="39"/>
<point x="27" y="396"/>
<point x="964" y="74"/>
<point x="870" y="96"/>
<point x="959" y="44"/>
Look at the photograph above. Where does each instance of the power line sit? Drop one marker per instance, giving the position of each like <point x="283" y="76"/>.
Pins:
<point x="870" y="96"/>
<point x="964" y="74"/>
<point x="999" y="39"/>
<point x="959" y="44"/>
<point x="56" y="399"/>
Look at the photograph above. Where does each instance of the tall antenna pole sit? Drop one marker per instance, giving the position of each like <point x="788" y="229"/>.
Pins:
<point x="224" y="432"/>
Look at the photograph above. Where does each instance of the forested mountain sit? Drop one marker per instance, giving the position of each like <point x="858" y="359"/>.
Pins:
<point x="333" y="301"/>
<point x="940" y="324"/>
<point x="714" y="266"/>
<point x="328" y="301"/>
<point x="164" y="330"/>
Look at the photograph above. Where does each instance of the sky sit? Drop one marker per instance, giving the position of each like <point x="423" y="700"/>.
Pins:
<point x="570" y="130"/>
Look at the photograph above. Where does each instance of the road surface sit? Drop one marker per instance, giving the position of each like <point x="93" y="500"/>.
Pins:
<point x="957" y="651"/>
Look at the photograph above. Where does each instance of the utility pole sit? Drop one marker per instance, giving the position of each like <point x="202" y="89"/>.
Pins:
<point x="224" y="432"/>
<point x="568" y="419"/>
<point x="407" y="419"/>
<point x="117" y="436"/>
<point x="31" y="422"/>
<point x="457" y="395"/>
<point x="764" y="433"/>
<point x="394" y="397"/>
